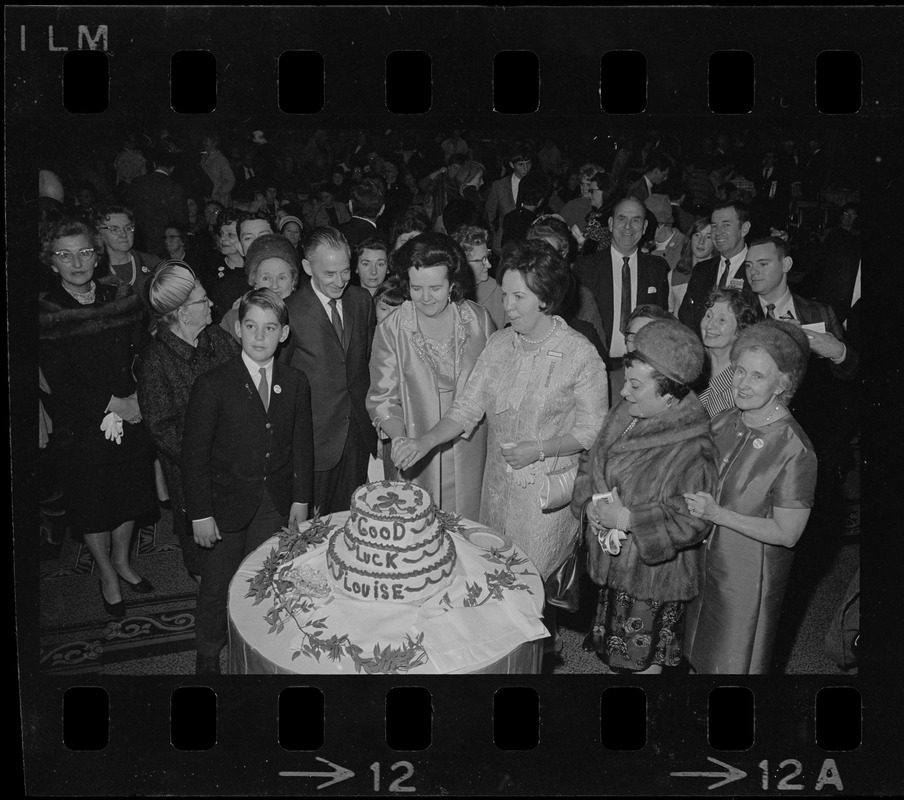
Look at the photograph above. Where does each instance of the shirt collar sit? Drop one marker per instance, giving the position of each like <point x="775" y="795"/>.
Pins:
<point x="618" y="257"/>
<point x="254" y="369"/>
<point x="783" y="305"/>
<point x="324" y="300"/>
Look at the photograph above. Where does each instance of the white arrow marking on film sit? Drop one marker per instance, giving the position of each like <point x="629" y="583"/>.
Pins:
<point x="733" y="774"/>
<point x="339" y="774"/>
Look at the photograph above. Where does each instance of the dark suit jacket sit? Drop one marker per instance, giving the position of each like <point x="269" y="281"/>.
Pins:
<point x="516" y="224"/>
<point x="826" y="402"/>
<point x="639" y="190"/>
<point x="595" y="272"/>
<point x="232" y="449"/>
<point x="340" y="378"/>
<point x="781" y="197"/>
<point x="155" y="199"/>
<point x="500" y="201"/>
<point x="811" y="311"/>
<point x="356" y="230"/>
<point x="700" y="284"/>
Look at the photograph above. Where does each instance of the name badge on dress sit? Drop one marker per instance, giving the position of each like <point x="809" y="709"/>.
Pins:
<point x="555" y="354"/>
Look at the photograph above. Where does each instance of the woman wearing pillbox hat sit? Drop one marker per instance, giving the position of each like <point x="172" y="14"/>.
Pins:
<point x="292" y="228"/>
<point x="185" y="345"/>
<point x="655" y="447"/>
<point x="767" y="479"/>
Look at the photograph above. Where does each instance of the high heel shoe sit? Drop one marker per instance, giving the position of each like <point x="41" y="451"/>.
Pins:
<point x="117" y="610"/>
<point x="144" y="586"/>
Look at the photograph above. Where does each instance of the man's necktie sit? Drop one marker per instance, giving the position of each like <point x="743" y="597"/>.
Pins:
<point x="337" y="322"/>
<point x="263" y="389"/>
<point x="625" y="294"/>
<point x="724" y="282"/>
<point x="770" y="311"/>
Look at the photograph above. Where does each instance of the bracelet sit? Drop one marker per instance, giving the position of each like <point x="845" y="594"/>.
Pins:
<point x="624" y="519"/>
<point x="542" y="454"/>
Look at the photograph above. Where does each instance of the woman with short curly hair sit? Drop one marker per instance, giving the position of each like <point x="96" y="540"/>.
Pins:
<point x="766" y="486"/>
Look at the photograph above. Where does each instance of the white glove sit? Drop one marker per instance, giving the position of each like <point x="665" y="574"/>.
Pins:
<point x="524" y="476"/>
<point x="112" y="427"/>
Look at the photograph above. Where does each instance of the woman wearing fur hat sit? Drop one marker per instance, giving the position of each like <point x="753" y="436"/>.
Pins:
<point x="655" y="446"/>
<point x="90" y="333"/>
<point x="271" y="262"/>
<point x="185" y="345"/>
<point x="767" y="480"/>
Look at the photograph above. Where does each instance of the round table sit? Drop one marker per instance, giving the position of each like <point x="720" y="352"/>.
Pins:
<point x="488" y="620"/>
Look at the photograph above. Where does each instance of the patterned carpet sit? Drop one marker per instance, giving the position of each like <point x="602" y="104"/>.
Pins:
<point x="157" y="635"/>
<point x="76" y="633"/>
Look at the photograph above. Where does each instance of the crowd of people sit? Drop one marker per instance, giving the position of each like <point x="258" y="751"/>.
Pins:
<point x="540" y="343"/>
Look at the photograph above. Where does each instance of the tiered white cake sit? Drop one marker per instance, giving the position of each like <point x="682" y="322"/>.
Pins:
<point x="393" y="548"/>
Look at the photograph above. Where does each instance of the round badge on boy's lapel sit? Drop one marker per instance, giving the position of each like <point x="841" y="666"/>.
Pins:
<point x="758" y="443"/>
<point x="277" y="389"/>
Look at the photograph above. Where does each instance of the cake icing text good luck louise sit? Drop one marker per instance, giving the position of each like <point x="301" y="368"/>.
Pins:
<point x="393" y="547"/>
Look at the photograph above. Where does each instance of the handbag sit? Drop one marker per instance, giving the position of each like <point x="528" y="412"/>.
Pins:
<point x="557" y="487"/>
<point x="563" y="587"/>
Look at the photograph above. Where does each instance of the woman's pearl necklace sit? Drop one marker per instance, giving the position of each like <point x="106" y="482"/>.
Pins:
<point x="552" y="330"/>
<point x="630" y="427"/>
<point x="768" y="419"/>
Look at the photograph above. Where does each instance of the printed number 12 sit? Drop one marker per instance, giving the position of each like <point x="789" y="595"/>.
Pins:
<point x="396" y="785"/>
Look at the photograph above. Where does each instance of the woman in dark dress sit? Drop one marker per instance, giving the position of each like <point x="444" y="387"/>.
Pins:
<point x="90" y="333"/>
<point x="227" y="279"/>
<point x="184" y="346"/>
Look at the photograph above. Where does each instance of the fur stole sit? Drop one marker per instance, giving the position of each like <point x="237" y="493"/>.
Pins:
<point x="687" y="420"/>
<point x="116" y="306"/>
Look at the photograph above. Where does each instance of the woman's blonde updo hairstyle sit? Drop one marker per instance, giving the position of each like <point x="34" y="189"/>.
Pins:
<point x="168" y="290"/>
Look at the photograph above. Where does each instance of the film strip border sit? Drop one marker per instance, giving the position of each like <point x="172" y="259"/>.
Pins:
<point x="479" y="739"/>
<point x="415" y="61"/>
<point x="516" y="80"/>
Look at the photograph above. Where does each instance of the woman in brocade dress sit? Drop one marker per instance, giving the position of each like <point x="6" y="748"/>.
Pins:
<point x="422" y="356"/>
<point x="767" y="479"/>
<point x="543" y="390"/>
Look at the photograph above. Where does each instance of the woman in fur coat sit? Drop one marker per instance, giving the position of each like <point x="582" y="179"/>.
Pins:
<point x="90" y="333"/>
<point x="642" y="542"/>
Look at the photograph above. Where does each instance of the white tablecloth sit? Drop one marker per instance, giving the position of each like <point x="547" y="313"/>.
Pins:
<point x="495" y="635"/>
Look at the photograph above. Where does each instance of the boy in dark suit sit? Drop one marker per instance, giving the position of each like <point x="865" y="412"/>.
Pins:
<point x="247" y="459"/>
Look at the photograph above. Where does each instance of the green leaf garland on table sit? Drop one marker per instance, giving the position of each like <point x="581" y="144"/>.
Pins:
<point x="277" y="579"/>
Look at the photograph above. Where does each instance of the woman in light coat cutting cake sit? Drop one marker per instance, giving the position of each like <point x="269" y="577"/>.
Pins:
<point x="542" y="388"/>
<point x="422" y="356"/>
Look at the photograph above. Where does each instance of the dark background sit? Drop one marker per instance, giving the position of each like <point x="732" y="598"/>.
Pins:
<point x="677" y="43"/>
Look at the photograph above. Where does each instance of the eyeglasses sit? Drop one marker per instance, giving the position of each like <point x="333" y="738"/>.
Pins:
<point x="204" y="299"/>
<point x="83" y="255"/>
<point x="484" y="260"/>
<point x="116" y="230"/>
